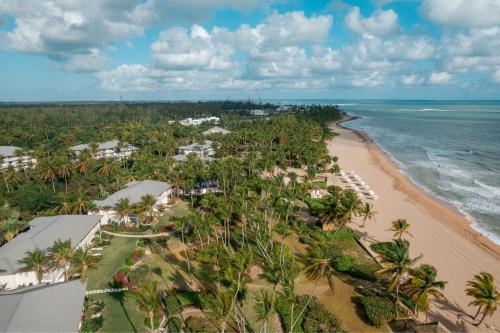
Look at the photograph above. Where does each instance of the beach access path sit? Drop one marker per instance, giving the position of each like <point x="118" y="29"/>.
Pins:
<point x="439" y="232"/>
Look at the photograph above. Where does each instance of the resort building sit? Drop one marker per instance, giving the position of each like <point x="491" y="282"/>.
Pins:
<point x="111" y="149"/>
<point x="216" y="130"/>
<point x="133" y="191"/>
<point x="259" y="113"/>
<point x="42" y="233"/>
<point x="199" y="121"/>
<point x="48" y="308"/>
<point x="11" y="156"/>
<point x="204" y="151"/>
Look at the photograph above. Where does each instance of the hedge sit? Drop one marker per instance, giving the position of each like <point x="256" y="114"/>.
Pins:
<point x="379" y="310"/>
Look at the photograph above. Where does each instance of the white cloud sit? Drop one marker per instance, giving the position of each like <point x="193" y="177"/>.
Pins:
<point x="381" y="22"/>
<point x="439" y="78"/>
<point x="412" y="79"/>
<point x="496" y="75"/>
<point x="178" y="49"/>
<point x="463" y="13"/>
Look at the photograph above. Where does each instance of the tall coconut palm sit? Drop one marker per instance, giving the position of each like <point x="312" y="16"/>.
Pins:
<point x="48" y="173"/>
<point x="60" y="255"/>
<point x="486" y="296"/>
<point x="148" y="300"/>
<point x="146" y="206"/>
<point x="63" y="170"/>
<point x="34" y="261"/>
<point x="422" y="286"/>
<point x="330" y="212"/>
<point x="105" y="168"/>
<point x="367" y="212"/>
<point x="400" y="227"/>
<point x="81" y="262"/>
<point x="122" y="209"/>
<point x="396" y="261"/>
<point x="83" y="163"/>
<point x="81" y="203"/>
<point x="264" y="307"/>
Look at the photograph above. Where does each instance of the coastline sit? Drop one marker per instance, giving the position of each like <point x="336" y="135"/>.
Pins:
<point x="407" y="186"/>
<point x="439" y="231"/>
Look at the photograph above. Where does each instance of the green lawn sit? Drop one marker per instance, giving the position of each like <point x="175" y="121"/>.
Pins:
<point x="113" y="259"/>
<point x="118" y="318"/>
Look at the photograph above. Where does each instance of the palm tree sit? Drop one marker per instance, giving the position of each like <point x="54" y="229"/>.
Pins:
<point x="81" y="262"/>
<point x="64" y="170"/>
<point x="105" y="168"/>
<point x="396" y="261"/>
<point x="34" y="261"/>
<point x="330" y="211"/>
<point x="81" y="203"/>
<point x="122" y="209"/>
<point x="367" y="212"/>
<point x="146" y="206"/>
<point x="148" y="300"/>
<point x="60" y="255"/>
<point x="264" y="306"/>
<point x="422" y="286"/>
<point x="48" y="174"/>
<point x="400" y="227"/>
<point x="350" y="207"/>
<point x="486" y="297"/>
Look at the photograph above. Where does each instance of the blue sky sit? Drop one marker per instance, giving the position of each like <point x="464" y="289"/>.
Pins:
<point x="213" y="49"/>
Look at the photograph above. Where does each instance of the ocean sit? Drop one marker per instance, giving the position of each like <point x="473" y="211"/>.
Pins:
<point x="450" y="149"/>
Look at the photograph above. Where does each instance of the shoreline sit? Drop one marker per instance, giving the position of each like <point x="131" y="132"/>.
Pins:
<point x="406" y="185"/>
<point x="440" y="233"/>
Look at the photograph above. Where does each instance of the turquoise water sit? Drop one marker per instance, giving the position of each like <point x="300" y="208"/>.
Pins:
<point x="451" y="149"/>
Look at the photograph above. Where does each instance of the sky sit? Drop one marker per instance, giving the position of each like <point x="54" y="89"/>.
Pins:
<point x="67" y="50"/>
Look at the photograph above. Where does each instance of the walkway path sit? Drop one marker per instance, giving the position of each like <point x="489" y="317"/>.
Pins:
<point x="102" y="291"/>
<point x="161" y="234"/>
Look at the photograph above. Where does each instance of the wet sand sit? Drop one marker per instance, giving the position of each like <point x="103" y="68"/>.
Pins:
<point x="440" y="233"/>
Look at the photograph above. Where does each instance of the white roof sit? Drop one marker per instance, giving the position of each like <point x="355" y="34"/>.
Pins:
<point x="216" y="129"/>
<point x="134" y="191"/>
<point x="51" y="308"/>
<point x="43" y="232"/>
<point x="111" y="144"/>
<point x="8" y="150"/>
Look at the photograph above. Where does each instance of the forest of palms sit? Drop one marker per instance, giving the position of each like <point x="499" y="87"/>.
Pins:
<point x="262" y="225"/>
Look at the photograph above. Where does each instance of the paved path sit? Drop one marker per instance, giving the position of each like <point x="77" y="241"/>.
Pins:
<point x="103" y="291"/>
<point x="161" y="234"/>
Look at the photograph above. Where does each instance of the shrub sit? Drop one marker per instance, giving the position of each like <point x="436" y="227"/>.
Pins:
<point x="379" y="310"/>
<point x="92" y="324"/>
<point x="344" y="263"/>
<point x="138" y="275"/>
<point x="197" y="324"/>
<point x="174" y="325"/>
<point x="362" y="272"/>
<point x="172" y="306"/>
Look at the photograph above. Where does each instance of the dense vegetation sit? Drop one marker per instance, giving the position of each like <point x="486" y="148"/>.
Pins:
<point x="261" y="228"/>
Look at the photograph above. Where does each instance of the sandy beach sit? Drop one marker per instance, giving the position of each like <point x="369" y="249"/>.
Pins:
<point x="440" y="233"/>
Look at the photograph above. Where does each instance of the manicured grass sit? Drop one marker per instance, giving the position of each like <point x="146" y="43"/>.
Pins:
<point x="118" y="318"/>
<point x="113" y="259"/>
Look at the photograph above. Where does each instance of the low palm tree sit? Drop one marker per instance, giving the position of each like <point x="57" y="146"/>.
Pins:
<point x="34" y="261"/>
<point x="81" y="262"/>
<point x="367" y="212"/>
<point x="400" y="227"/>
<point x="146" y="206"/>
<point x="122" y="209"/>
<point x="396" y="261"/>
<point x="264" y="307"/>
<point x="422" y="286"/>
<point x="60" y="255"/>
<point x="148" y="300"/>
<point x="486" y="297"/>
<point x="350" y="207"/>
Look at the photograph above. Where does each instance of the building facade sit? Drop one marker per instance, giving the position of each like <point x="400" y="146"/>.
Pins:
<point x="42" y="233"/>
<point x="199" y="121"/>
<point x="110" y="149"/>
<point x="14" y="157"/>
<point x="133" y="191"/>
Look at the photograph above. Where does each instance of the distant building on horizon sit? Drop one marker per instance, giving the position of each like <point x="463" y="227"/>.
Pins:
<point x="15" y="157"/>
<point x="111" y="149"/>
<point x="259" y="113"/>
<point x="204" y="151"/>
<point x="216" y="130"/>
<point x="199" y="121"/>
